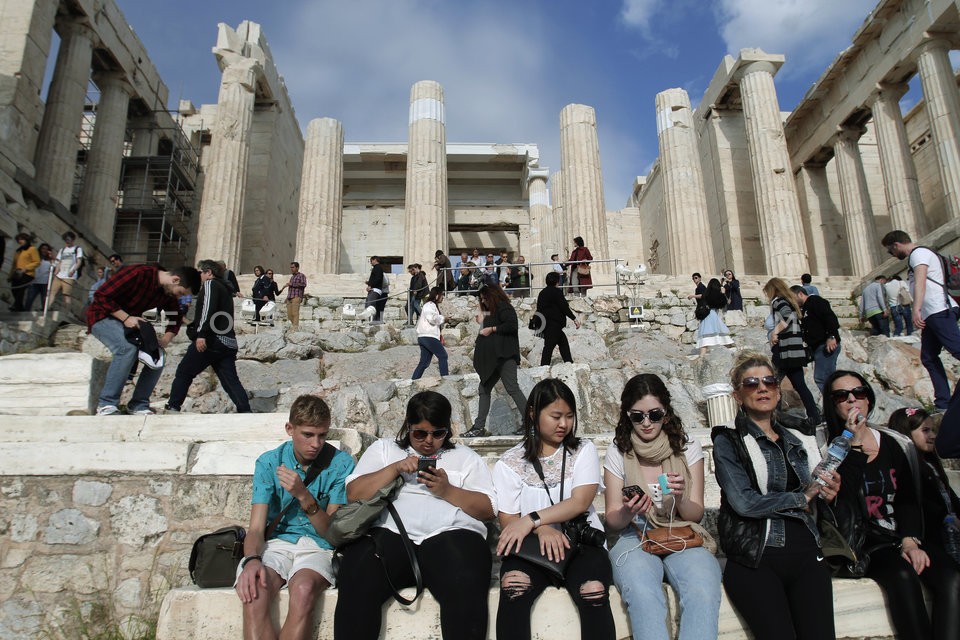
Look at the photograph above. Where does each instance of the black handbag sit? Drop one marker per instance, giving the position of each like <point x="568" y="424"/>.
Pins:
<point x="701" y="312"/>
<point x="215" y="556"/>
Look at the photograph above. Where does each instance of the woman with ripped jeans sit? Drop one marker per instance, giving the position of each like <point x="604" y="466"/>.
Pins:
<point x="549" y="478"/>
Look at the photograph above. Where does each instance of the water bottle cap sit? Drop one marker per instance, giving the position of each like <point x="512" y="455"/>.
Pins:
<point x="847" y="434"/>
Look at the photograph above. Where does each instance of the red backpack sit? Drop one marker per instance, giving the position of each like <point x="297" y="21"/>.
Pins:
<point x="951" y="269"/>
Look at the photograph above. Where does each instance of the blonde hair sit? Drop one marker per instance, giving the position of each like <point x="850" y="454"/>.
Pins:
<point x="748" y="360"/>
<point x="777" y="288"/>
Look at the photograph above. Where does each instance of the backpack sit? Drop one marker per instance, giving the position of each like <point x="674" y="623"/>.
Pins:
<point x="951" y="270"/>
<point x="385" y="287"/>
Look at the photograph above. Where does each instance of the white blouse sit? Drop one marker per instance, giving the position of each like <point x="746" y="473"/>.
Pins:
<point x="520" y="490"/>
<point x="424" y="514"/>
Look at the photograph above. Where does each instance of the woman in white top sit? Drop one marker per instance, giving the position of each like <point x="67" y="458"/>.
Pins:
<point x="528" y="482"/>
<point x="442" y="509"/>
<point x="650" y="441"/>
<point x="428" y="334"/>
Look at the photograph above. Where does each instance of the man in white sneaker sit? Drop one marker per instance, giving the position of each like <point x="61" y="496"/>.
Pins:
<point x="117" y="307"/>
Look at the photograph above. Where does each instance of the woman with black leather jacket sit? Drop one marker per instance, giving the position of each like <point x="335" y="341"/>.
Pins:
<point x="775" y="575"/>
<point x="881" y="495"/>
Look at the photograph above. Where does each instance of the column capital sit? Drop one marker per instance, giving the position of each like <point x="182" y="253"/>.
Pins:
<point x="887" y="91"/>
<point x="112" y="80"/>
<point x="848" y="133"/>
<point x="69" y="25"/>
<point x="933" y="41"/>
<point x="537" y="174"/>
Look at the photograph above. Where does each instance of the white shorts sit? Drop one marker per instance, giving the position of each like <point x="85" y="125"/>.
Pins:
<point x="286" y="558"/>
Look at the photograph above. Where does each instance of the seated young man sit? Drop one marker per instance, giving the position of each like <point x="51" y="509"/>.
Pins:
<point x="293" y="553"/>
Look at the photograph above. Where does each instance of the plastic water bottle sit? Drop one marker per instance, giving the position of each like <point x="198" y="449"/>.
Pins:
<point x="836" y="452"/>
<point x="951" y="536"/>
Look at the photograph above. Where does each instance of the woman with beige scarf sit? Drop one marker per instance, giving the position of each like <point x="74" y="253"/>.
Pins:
<point x="650" y="444"/>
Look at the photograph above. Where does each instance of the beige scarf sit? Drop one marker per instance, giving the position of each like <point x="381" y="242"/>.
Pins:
<point x="659" y="452"/>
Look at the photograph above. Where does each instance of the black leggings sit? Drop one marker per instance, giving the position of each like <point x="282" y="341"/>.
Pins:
<point x="789" y="595"/>
<point x="901" y="585"/>
<point x="553" y="336"/>
<point x="456" y="569"/>
<point x="795" y="376"/>
<point x="596" y="619"/>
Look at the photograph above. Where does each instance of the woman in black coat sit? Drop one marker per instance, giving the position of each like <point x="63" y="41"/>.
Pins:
<point x="496" y="355"/>
<point x="553" y="311"/>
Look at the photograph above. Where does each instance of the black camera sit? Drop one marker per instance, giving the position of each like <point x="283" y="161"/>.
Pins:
<point x="579" y="530"/>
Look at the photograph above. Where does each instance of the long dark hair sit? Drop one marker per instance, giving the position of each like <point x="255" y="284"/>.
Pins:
<point x="546" y="392"/>
<point x="714" y="297"/>
<point x="435" y="294"/>
<point x="432" y="407"/>
<point x="835" y="422"/>
<point x="648" y="384"/>
<point x="491" y="297"/>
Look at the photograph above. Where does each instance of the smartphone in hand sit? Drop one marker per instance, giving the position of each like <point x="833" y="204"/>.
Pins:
<point x="425" y="463"/>
<point x="633" y="490"/>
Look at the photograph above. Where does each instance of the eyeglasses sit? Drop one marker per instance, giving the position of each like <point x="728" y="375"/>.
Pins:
<point x="436" y="434"/>
<point x="753" y="382"/>
<point x="840" y="395"/>
<point x="655" y="415"/>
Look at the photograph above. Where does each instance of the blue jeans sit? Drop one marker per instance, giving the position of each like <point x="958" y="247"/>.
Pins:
<point x="430" y="347"/>
<point x="824" y="364"/>
<point x="941" y="332"/>
<point x="694" y="575"/>
<point x="109" y="331"/>
<point x="880" y="325"/>
<point x="897" y="317"/>
<point x="906" y="314"/>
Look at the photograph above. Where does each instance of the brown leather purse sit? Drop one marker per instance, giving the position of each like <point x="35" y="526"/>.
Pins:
<point x="665" y="540"/>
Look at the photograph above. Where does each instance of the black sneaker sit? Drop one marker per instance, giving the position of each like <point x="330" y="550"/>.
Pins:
<point x="475" y="433"/>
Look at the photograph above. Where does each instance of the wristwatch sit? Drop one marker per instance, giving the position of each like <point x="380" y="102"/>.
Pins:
<point x="312" y="509"/>
<point x="535" y="517"/>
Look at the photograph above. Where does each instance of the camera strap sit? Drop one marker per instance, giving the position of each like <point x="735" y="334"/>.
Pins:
<point x="563" y="472"/>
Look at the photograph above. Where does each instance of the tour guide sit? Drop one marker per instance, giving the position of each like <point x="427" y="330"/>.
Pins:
<point x="118" y="305"/>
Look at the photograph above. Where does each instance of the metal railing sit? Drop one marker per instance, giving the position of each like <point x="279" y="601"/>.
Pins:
<point x="537" y="271"/>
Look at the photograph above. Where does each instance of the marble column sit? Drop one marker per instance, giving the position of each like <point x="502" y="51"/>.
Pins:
<point x="684" y="198"/>
<point x="321" y="198"/>
<point x="942" y="103"/>
<point x="57" y="146"/>
<point x="225" y="185"/>
<point x="778" y="210"/>
<point x="559" y="242"/>
<point x="823" y="224"/>
<point x="583" y="183"/>
<point x="101" y="179"/>
<point x="540" y="220"/>
<point x="900" y="182"/>
<point x="862" y="240"/>
<point x="425" y="229"/>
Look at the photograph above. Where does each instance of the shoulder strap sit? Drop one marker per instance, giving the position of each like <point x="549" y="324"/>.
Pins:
<point x="411" y="556"/>
<point x="323" y="460"/>
<point x="563" y="472"/>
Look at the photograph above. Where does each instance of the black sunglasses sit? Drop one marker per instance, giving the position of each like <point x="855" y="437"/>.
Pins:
<point x="841" y="395"/>
<point x="655" y="415"/>
<point x="421" y="434"/>
<point x="753" y="382"/>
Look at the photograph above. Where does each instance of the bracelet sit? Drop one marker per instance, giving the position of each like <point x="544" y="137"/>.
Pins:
<point x="244" y="562"/>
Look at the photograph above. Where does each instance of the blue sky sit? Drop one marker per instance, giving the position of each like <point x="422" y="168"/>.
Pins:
<point x="507" y="66"/>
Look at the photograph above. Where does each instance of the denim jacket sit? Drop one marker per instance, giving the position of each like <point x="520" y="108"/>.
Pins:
<point x="751" y="518"/>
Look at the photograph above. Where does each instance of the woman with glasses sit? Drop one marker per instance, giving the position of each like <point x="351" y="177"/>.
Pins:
<point x="775" y="575"/>
<point x="650" y="441"/>
<point x="786" y="342"/>
<point x="443" y="510"/>
<point x="881" y="497"/>
<point x="548" y="479"/>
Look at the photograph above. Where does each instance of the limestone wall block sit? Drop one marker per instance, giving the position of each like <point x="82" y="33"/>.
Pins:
<point x="137" y="520"/>
<point x="79" y="574"/>
<point x="23" y="527"/>
<point x="91" y="492"/>
<point x="70" y="526"/>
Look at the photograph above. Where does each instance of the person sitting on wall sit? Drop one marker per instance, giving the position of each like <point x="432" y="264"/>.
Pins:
<point x="293" y="553"/>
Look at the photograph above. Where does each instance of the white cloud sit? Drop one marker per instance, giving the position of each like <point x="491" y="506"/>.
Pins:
<point x="637" y="13"/>
<point x="808" y="32"/>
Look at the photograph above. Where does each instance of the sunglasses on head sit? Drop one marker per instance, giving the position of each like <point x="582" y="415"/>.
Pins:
<point x="841" y="395"/>
<point x="421" y="434"/>
<point x="753" y="382"/>
<point x="655" y="415"/>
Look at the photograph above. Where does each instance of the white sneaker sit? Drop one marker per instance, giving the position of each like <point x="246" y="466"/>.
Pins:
<point x="107" y="410"/>
<point x="147" y="411"/>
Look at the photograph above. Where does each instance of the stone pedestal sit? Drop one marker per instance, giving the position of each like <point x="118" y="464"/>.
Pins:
<point x="321" y="198"/>
<point x="855" y="200"/>
<point x="425" y="228"/>
<point x="900" y="182"/>
<point x="583" y="183"/>
<point x="540" y="215"/>
<point x="56" y="156"/>
<point x="101" y="180"/>
<point x="778" y="210"/>
<point x="942" y="103"/>
<point x="684" y="198"/>
<point x="221" y="209"/>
